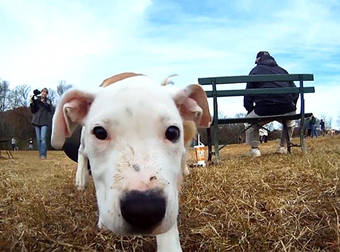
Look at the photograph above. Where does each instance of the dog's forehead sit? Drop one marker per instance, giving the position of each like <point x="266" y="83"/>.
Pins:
<point x="128" y="94"/>
<point x="139" y="86"/>
<point x="129" y="98"/>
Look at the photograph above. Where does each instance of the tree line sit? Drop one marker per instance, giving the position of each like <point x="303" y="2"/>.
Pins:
<point x="20" y="95"/>
<point x="15" y="117"/>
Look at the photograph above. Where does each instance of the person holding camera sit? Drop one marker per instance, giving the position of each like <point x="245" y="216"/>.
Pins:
<point x="41" y="107"/>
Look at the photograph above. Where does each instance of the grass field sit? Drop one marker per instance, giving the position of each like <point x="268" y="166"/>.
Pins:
<point x="272" y="203"/>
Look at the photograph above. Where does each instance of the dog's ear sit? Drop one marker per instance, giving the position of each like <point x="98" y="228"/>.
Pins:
<point x="70" y="112"/>
<point x="193" y="105"/>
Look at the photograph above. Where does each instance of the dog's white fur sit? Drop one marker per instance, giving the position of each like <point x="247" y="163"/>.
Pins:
<point x="135" y="112"/>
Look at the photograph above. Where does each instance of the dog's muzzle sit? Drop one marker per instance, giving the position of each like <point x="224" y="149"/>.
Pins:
<point x="143" y="210"/>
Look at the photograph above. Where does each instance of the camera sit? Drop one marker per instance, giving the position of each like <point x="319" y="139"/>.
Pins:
<point x="36" y="92"/>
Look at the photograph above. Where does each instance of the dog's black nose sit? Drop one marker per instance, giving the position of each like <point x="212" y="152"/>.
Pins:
<point x="143" y="209"/>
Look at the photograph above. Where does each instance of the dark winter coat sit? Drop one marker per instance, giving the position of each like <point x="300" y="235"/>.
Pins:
<point x="42" y="112"/>
<point x="312" y="121"/>
<point x="270" y="104"/>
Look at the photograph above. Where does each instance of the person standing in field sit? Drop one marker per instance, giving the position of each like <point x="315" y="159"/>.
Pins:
<point x="266" y="105"/>
<point x="322" y="126"/>
<point x="313" y="126"/>
<point x="41" y="107"/>
<point x="30" y="144"/>
<point x="263" y="135"/>
<point x="13" y="143"/>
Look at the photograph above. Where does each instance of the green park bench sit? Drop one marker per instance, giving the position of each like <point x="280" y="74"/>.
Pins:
<point x="215" y="94"/>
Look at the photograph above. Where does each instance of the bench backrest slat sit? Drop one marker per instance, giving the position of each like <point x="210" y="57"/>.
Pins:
<point x="255" y="78"/>
<point x="259" y="91"/>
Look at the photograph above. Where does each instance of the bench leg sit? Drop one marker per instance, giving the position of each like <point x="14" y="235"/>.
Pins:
<point x="216" y="149"/>
<point x="285" y="128"/>
<point x="210" y="151"/>
<point x="302" y="139"/>
<point x="209" y="144"/>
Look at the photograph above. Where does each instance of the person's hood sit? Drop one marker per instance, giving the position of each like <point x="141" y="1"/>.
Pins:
<point x="267" y="60"/>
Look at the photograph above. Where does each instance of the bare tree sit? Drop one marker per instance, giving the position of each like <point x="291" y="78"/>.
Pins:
<point x="52" y="95"/>
<point x="327" y="120"/>
<point x="4" y="90"/>
<point x="62" y="87"/>
<point x="328" y="123"/>
<point x="19" y="96"/>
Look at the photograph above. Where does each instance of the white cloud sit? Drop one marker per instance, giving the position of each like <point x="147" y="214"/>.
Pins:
<point x="61" y="42"/>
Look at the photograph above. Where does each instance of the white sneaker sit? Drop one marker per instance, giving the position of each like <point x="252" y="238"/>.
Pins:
<point x="254" y="152"/>
<point x="282" y="150"/>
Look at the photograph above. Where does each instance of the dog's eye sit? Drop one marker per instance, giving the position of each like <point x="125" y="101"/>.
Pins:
<point x="100" y="132"/>
<point x="172" y="133"/>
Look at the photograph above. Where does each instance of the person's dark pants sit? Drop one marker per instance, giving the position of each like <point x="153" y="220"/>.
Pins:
<point x="309" y="132"/>
<point x="265" y="139"/>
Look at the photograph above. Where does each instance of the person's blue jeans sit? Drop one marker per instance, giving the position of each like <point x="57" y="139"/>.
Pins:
<point x="314" y="132"/>
<point x="40" y="133"/>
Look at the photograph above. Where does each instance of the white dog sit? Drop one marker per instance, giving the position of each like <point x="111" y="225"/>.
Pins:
<point x="134" y="136"/>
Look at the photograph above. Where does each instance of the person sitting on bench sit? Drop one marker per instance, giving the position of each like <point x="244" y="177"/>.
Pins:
<point x="265" y="105"/>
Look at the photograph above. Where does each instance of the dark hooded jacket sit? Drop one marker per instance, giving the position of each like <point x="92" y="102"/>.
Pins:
<point x="42" y="112"/>
<point x="270" y="104"/>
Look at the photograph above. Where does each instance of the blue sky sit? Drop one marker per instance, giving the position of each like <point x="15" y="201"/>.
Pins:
<point x="84" y="42"/>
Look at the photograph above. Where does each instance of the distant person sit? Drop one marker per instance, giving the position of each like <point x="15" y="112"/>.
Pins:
<point x="265" y="105"/>
<point x="41" y="108"/>
<point x="13" y="143"/>
<point x="263" y="135"/>
<point x="308" y="128"/>
<point x="30" y="144"/>
<point x="312" y="124"/>
<point x="322" y="127"/>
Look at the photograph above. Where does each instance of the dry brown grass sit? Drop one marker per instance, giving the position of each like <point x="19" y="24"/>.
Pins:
<point x="272" y="203"/>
